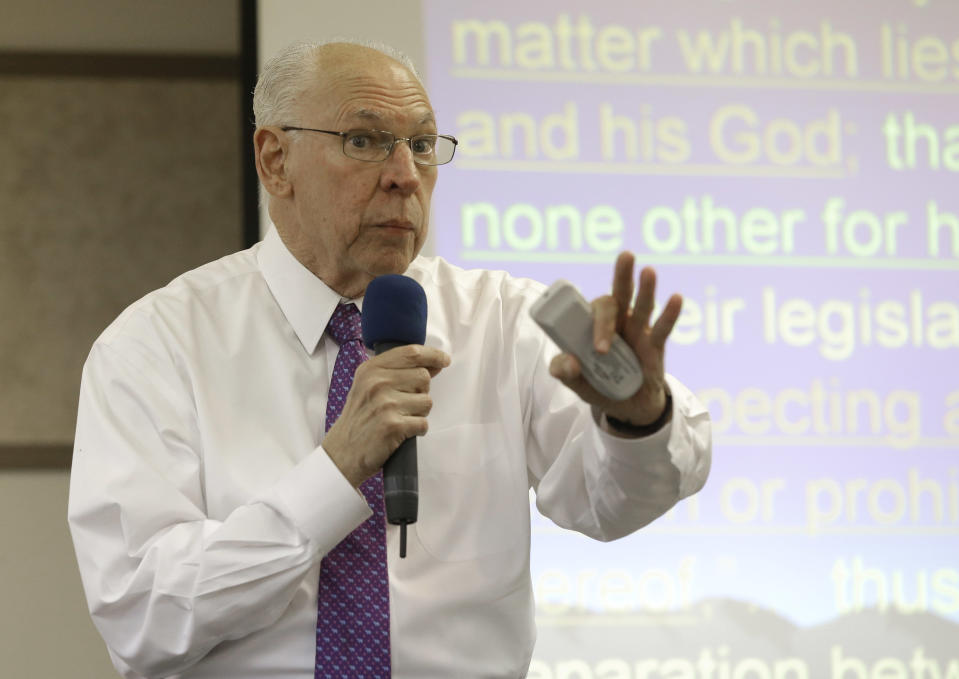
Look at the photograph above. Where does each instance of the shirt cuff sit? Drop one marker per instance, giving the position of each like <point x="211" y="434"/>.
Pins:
<point x="685" y="439"/>
<point x="629" y="448"/>
<point x="658" y="438"/>
<point x="319" y="500"/>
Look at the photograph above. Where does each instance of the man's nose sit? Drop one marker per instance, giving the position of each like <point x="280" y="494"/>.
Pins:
<point x="400" y="173"/>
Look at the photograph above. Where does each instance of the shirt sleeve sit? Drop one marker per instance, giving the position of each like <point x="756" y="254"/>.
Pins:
<point x="165" y="583"/>
<point x="599" y="484"/>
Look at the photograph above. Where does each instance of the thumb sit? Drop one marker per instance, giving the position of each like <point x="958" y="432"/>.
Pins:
<point x="566" y="368"/>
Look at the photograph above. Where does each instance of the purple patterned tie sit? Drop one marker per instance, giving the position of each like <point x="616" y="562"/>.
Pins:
<point x="353" y="616"/>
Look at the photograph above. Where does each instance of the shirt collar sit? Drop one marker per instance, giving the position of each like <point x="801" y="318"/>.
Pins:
<point x="305" y="300"/>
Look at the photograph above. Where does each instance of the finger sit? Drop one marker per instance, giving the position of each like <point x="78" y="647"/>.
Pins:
<point x="404" y="427"/>
<point x="645" y="299"/>
<point x="666" y="321"/>
<point x="417" y="426"/>
<point x="605" y="315"/>
<point x="623" y="285"/>
<point x="411" y="380"/>
<point x="414" y="405"/>
<point x="415" y="380"/>
<point x="413" y="356"/>
<point x="566" y="368"/>
<point x="372" y="377"/>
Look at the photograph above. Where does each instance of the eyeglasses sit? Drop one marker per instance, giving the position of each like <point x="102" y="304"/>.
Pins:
<point x="375" y="146"/>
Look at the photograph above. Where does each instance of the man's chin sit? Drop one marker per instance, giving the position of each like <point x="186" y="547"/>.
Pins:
<point x="395" y="262"/>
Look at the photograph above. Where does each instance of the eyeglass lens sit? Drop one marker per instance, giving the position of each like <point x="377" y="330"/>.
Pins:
<point x="375" y="145"/>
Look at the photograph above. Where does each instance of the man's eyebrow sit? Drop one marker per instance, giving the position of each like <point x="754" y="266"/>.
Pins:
<point x="367" y="114"/>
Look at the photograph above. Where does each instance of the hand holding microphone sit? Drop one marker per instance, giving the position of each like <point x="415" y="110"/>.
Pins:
<point x="389" y="400"/>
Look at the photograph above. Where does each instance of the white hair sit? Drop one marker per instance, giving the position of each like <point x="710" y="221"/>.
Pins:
<point x="287" y="75"/>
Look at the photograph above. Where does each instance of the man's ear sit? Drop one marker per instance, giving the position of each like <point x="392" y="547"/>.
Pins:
<point x="271" y="152"/>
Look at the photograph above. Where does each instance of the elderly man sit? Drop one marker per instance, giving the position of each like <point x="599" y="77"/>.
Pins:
<point x="226" y="498"/>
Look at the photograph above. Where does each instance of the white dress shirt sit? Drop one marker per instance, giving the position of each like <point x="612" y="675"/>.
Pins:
<point x="202" y="501"/>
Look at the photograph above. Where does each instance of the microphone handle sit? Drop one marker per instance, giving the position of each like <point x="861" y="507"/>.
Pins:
<point x="400" y="484"/>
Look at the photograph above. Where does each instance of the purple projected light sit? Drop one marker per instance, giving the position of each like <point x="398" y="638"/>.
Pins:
<point x="791" y="169"/>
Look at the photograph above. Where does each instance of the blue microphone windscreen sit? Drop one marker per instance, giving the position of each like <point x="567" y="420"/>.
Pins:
<point x="394" y="310"/>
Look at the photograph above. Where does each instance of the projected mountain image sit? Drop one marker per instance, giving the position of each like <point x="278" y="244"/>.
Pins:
<point x="721" y="639"/>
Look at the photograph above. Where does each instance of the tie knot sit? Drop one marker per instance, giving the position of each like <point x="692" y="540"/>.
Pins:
<point x="345" y="323"/>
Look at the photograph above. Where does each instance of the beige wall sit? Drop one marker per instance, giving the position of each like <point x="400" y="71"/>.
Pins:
<point x="178" y="26"/>
<point x="44" y="629"/>
<point x="118" y="186"/>
<point x="110" y="186"/>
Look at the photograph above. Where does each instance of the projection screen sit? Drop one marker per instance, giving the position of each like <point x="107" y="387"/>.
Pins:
<point x="792" y="169"/>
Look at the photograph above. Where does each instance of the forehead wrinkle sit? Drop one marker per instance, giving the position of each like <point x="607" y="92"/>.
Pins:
<point x="374" y="117"/>
<point x="361" y="99"/>
<point x="380" y="120"/>
<point x="374" y="101"/>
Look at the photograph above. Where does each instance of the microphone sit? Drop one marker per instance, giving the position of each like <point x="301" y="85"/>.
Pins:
<point x="394" y="314"/>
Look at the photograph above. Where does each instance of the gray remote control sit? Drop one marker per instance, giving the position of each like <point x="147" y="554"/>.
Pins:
<point x="568" y="320"/>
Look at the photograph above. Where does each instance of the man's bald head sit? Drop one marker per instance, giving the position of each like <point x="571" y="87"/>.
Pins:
<point x="345" y="220"/>
<point x="289" y="74"/>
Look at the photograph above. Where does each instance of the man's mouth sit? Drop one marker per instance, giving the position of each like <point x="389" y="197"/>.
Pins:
<point x="396" y="226"/>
